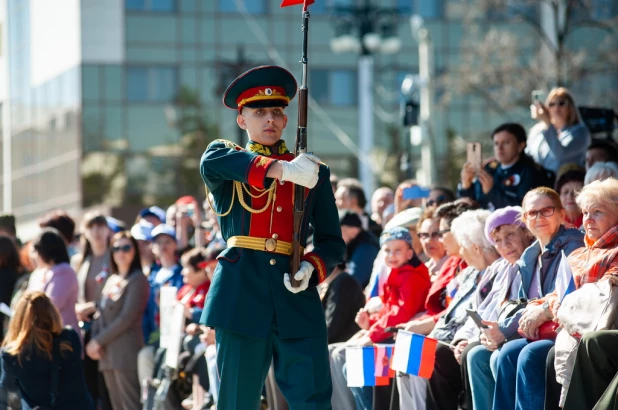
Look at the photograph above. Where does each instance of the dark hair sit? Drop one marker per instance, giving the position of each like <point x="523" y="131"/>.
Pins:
<point x="136" y="263"/>
<point x="570" y="175"/>
<point x="194" y="257"/>
<point x="9" y="257"/>
<point x="7" y="223"/>
<point x="449" y="195"/>
<point x="355" y="190"/>
<point x="90" y="220"/>
<point x="51" y="247"/>
<point x="512" y="128"/>
<point x="428" y="213"/>
<point x="610" y="148"/>
<point x="60" y="221"/>
<point x="452" y="210"/>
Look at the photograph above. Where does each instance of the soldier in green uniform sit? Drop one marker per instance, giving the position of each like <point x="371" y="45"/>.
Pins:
<point x="258" y="316"/>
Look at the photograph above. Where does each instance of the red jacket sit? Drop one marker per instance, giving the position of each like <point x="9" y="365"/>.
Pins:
<point x="198" y="298"/>
<point x="436" y="302"/>
<point x="404" y="295"/>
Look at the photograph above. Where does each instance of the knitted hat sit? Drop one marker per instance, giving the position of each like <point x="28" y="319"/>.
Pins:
<point x="349" y="218"/>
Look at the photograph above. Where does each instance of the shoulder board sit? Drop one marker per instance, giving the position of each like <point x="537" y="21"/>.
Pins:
<point x="221" y="143"/>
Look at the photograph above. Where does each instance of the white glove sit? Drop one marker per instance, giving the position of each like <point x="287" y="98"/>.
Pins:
<point x="303" y="170"/>
<point x="303" y="275"/>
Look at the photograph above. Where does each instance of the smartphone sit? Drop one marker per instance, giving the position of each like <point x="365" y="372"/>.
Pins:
<point x="476" y="318"/>
<point x="537" y="96"/>
<point x="474" y="154"/>
<point x="392" y="329"/>
<point x="415" y="192"/>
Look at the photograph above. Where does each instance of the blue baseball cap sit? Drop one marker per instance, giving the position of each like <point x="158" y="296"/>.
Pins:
<point x="114" y="224"/>
<point x="163" y="229"/>
<point x="153" y="211"/>
<point x="396" y="233"/>
<point x="142" y="231"/>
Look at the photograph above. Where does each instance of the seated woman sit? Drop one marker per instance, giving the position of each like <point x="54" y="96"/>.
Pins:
<point x="439" y="296"/>
<point x="517" y="369"/>
<point x="560" y="137"/>
<point x="568" y="185"/>
<point x="416" y="392"/>
<point x="595" y="365"/>
<point x="510" y="236"/>
<point x="41" y="360"/>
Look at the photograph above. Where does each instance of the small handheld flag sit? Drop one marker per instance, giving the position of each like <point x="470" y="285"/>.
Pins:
<point x="287" y="3"/>
<point x="565" y="283"/>
<point x="361" y="367"/>
<point x="414" y="354"/>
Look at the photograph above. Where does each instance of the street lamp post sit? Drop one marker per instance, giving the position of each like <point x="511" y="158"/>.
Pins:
<point x="375" y="33"/>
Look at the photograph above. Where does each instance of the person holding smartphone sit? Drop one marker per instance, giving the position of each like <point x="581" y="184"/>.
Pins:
<point x="560" y="136"/>
<point x="505" y="180"/>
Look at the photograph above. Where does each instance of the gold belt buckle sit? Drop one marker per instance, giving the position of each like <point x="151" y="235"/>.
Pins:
<point x="271" y="244"/>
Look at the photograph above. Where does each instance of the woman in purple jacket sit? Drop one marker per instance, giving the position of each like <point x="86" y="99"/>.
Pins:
<point x="54" y="276"/>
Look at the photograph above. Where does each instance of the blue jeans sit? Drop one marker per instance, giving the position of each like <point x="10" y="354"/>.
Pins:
<point x="482" y="383"/>
<point x="520" y="375"/>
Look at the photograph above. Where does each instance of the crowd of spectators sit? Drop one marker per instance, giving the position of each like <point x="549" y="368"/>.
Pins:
<point x="497" y="244"/>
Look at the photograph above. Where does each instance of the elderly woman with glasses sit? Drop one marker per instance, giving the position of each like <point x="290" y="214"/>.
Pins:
<point x="560" y="137"/>
<point x="519" y="366"/>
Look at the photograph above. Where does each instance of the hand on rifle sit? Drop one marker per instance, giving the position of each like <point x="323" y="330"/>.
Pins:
<point x="303" y="275"/>
<point x="303" y="170"/>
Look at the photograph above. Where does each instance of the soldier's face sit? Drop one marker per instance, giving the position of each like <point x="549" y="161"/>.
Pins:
<point x="263" y="125"/>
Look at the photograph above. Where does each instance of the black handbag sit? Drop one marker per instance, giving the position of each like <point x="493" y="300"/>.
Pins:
<point x="508" y="309"/>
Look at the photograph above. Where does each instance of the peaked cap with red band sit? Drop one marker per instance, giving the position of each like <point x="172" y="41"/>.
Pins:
<point x="261" y="87"/>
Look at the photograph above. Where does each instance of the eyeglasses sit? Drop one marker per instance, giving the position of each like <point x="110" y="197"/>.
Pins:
<point x="547" y="211"/>
<point x="123" y="248"/>
<point x="436" y="201"/>
<point x="560" y="103"/>
<point x="427" y="235"/>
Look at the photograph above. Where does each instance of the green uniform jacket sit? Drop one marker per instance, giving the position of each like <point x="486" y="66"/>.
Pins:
<point x="247" y="293"/>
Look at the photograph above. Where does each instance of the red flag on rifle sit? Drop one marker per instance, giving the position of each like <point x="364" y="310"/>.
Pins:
<point x="287" y="3"/>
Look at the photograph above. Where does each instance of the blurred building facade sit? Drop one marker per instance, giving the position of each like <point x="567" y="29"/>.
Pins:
<point x="92" y="85"/>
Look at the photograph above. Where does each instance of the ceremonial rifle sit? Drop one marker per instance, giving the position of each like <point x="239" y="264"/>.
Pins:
<point x="300" y="147"/>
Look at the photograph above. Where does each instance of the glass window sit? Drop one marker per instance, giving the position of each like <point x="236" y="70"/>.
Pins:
<point x="318" y="86"/>
<point x="90" y="82"/>
<point x="151" y="84"/>
<point x="252" y="6"/>
<point x="113" y="82"/>
<point x="137" y="83"/>
<point x="343" y="88"/>
<point x="333" y="87"/>
<point x="161" y="6"/>
<point x="406" y="6"/>
<point x="429" y="8"/>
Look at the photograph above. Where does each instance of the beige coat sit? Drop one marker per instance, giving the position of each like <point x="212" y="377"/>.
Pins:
<point x="118" y="321"/>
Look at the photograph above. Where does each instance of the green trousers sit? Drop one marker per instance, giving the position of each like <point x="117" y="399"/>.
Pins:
<point x="594" y="384"/>
<point x="301" y="370"/>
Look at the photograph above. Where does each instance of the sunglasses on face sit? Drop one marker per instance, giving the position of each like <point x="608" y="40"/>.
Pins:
<point x="560" y="103"/>
<point x="437" y="201"/>
<point x="427" y="235"/>
<point x="547" y="211"/>
<point x="123" y="248"/>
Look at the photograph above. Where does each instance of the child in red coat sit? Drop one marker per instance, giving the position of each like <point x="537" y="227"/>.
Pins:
<point x="197" y="268"/>
<point x="405" y="290"/>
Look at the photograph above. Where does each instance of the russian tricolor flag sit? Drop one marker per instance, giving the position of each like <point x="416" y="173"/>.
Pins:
<point x="369" y="365"/>
<point x="565" y="283"/>
<point x="414" y="354"/>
